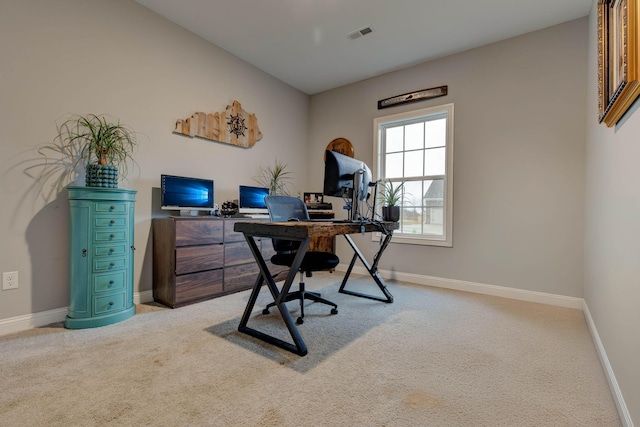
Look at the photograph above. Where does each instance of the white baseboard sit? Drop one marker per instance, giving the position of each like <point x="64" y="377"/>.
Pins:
<point x="522" y="295"/>
<point x="35" y="320"/>
<point x="625" y="416"/>
<point x="478" y="288"/>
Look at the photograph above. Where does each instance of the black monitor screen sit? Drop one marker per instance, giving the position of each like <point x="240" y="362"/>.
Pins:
<point x="339" y="171"/>
<point x="184" y="192"/>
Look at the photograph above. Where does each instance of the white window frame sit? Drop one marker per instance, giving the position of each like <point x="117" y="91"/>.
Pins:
<point x="423" y="239"/>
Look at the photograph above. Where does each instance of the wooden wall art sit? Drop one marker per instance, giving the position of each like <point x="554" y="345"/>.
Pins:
<point x="342" y="146"/>
<point x="233" y="126"/>
<point x="419" y="95"/>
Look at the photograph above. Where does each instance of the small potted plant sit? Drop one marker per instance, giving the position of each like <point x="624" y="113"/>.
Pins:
<point x="275" y="178"/>
<point x="391" y="195"/>
<point x="104" y="147"/>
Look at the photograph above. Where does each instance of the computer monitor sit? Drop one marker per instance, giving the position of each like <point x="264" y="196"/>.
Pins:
<point x="347" y="177"/>
<point x="251" y="200"/>
<point x="188" y="195"/>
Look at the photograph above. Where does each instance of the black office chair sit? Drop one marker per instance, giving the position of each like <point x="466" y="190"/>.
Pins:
<point x="286" y="208"/>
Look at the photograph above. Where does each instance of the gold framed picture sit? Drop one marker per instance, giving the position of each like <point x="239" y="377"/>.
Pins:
<point x="618" y="58"/>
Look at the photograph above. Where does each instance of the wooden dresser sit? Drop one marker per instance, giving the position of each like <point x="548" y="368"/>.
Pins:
<point x="199" y="258"/>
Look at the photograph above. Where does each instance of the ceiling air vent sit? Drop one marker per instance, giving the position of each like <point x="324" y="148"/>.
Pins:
<point x="359" y="33"/>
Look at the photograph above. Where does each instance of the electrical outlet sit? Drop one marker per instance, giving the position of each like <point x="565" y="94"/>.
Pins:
<point x="10" y="280"/>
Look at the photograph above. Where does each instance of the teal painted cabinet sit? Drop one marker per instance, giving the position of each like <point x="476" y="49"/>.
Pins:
<point x="100" y="256"/>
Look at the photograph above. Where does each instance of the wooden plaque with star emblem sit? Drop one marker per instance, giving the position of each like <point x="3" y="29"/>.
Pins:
<point x="233" y="126"/>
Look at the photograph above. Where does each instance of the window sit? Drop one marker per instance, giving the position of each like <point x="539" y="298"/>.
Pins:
<point x="417" y="148"/>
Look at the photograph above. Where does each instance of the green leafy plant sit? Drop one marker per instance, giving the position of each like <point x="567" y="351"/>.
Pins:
<point x="276" y="178"/>
<point x="391" y="194"/>
<point x="97" y="140"/>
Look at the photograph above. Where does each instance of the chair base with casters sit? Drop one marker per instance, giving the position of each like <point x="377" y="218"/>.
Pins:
<point x="303" y="295"/>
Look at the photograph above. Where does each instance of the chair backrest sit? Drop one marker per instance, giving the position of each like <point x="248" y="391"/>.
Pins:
<point x="286" y="208"/>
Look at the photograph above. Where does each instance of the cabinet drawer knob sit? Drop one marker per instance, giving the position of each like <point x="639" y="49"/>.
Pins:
<point x="111" y="250"/>
<point x="113" y="221"/>
<point x="110" y="302"/>
<point x="112" y="264"/>
<point x="112" y="207"/>
<point x="111" y="282"/>
<point x="112" y="236"/>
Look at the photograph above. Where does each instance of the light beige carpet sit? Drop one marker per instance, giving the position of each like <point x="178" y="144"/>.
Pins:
<point x="432" y="358"/>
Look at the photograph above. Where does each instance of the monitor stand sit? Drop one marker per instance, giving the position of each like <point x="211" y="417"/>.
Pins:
<point x="188" y="212"/>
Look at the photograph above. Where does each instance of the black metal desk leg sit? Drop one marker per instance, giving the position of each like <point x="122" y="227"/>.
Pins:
<point x="299" y="347"/>
<point x="373" y="272"/>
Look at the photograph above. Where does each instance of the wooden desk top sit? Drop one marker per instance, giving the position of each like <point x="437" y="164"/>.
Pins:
<point x="307" y="229"/>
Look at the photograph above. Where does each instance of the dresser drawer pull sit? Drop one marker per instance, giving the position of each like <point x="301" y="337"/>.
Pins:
<point x="84" y="253"/>
<point x="111" y="282"/>
<point x="113" y="221"/>
<point x="112" y="264"/>
<point x="112" y="207"/>
<point x="112" y="236"/>
<point x="110" y="302"/>
<point x="111" y="250"/>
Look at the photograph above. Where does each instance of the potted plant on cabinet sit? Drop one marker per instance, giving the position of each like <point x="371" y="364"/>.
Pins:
<point x="275" y="178"/>
<point x="391" y="195"/>
<point x="104" y="147"/>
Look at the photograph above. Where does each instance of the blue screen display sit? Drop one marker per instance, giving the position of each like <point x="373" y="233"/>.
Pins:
<point x="252" y="197"/>
<point x="180" y="191"/>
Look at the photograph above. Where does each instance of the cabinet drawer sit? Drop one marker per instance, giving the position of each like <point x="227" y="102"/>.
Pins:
<point x="116" y="207"/>
<point x="107" y="303"/>
<point x="198" y="258"/>
<point x="110" y="221"/>
<point x="198" y="286"/>
<point x="237" y="253"/>
<point x="109" y="264"/>
<point x="229" y="234"/>
<point x="109" y="282"/>
<point x="240" y="277"/>
<point x="110" y="236"/>
<point x="110" y="250"/>
<point x="198" y="232"/>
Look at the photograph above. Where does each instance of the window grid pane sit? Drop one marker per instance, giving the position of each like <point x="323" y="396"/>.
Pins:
<point x="414" y="151"/>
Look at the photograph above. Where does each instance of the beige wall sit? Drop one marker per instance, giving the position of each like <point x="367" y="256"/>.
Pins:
<point x="612" y="235"/>
<point x="518" y="157"/>
<point x="118" y="58"/>
<point x="524" y="210"/>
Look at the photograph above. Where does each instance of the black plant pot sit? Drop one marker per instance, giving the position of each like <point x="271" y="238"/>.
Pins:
<point x="391" y="213"/>
<point x="105" y="176"/>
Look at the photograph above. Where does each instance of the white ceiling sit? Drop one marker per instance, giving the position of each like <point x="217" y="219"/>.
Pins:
<point x="305" y="44"/>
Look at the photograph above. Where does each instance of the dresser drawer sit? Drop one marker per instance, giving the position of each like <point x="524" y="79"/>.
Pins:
<point x="109" y="282"/>
<point x="110" y="250"/>
<point x="198" y="232"/>
<point x="197" y="286"/>
<point x="240" y="277"/>
<point x="237" y="253"/>
<point x="108" y="303"/>
<point x="110" y="221"/>
<point x="229" y="234"/>
<point x="110" y="236"/>
<point x="198" y="258"/>
<point x="115" y="207"/>
<point x="109" y="264"/>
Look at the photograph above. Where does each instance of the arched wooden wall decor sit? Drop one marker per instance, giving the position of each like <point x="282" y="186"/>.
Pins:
<point x="233" y="126"/>
<point x="342" y="146"/>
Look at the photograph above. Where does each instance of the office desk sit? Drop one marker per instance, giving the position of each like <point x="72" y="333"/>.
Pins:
<point x="304" y="231"/>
